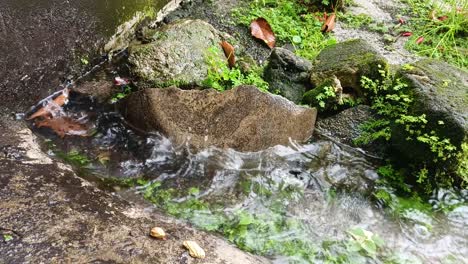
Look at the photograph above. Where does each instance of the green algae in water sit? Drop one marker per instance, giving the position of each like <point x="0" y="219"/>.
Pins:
<point x="267" y="230"/>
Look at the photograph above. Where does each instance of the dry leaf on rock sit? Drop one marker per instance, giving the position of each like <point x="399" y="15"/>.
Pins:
<point x="194" y="249"/>
<point x="57" y="102"/>
<point x="260" y="29"/>
<point x="64" y="126"/>
<point x="329" y="24"/>
<point x="229" y="52"/>
<point x="158" y="232"/>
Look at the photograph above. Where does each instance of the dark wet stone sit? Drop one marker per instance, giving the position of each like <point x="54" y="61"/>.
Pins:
<point x="243" y="118"/>
<point x="441" y="93"/>
<point x="345" y="127"/>
<point x="287" y="74"/>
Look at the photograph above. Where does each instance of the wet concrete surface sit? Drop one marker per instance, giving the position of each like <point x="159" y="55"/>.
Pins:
<point x="50" y="215"/>
<point x="42" y="41"/>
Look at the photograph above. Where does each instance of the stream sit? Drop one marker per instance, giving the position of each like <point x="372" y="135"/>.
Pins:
<point x="300" y="203"/>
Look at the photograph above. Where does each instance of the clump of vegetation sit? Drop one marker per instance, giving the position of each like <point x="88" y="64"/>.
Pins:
<point x="391" y="99"/>
<point x="439" y="30"/>
<point x="292" y="23"/>
<point x="221" y="77"/>
<point x="124" y="91"/>
<point x="354" y="21"/>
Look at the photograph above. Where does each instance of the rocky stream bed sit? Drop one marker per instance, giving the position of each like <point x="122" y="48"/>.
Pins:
<point x="127" y="141"/>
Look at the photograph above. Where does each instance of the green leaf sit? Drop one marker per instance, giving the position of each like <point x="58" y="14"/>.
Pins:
<point x="7" y="237"/>
<point x="296" y="39"/>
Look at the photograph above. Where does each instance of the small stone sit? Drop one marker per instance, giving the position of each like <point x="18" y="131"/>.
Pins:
<point x="158" y="233"/>
<point x="194" y="249"/>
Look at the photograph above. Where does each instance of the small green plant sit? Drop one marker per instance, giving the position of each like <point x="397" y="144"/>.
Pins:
<point x="291" y="22"/>
<point x="354" y="21"/>
<point x="7" y="237"/>
<point x="391" y="99"/>
<point x="84" y="60"/>
<point x="125" y="90"/>
<point x="462" y="169"/>
<point x="327" y="93"/>
<point x="365" y="242"/>
<point x="221" y="77"/>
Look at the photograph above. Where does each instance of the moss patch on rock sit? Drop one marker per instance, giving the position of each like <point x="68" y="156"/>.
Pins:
<point x="177" y="54"/>
<point x="348" y="61"/>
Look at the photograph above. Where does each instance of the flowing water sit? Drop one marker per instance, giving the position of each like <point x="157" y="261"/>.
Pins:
<point x="301" y="203"/>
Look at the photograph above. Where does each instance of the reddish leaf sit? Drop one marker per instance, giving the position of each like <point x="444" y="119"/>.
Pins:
<point x="260" y="29"/>
<point x="401" y="21"/>
<point x="229" y="52"/>
<point x="419" y="40"/>
<point x="64" y="126"/>
<point x="45" y="110"/>
<point x="329" y="24"/>
<point x="442" y="18"/>
<point x="406" y="34"/>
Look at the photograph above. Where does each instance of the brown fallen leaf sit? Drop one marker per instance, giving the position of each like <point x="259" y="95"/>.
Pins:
<point x="45" y="110"/>
<point x="64" y="126"/>
<point x="260" y="29"/>
<point x="158" y="232"/>
<point x="194" y="249"/>
<point x="329" y="24"/>
<point x="229" y="52"/>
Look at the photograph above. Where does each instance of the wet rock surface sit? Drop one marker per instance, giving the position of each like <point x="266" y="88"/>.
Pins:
<point x="345" y="127"/>
<point x="287" y="74"/>
<point x="178" y="54"/>
<point x="52" y="215"/>
<point x="243" y="118"/>
<point x="441" y="93"/>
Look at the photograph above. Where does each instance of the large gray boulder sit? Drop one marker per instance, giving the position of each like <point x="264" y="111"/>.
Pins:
<point x="287" y="74"/>
<point x="440" y="92"/>
<point x="348" y="61"/>
<point x="178" y="54"/>
<point x="243" y="118"/>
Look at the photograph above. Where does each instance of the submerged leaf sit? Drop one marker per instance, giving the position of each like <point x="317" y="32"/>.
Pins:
<point x="64" y="126"/>
<point x="329" y="24"/>
<point x="260" y="29"/>
<point x="57" y="102"/>
<point x="229" y="52"/>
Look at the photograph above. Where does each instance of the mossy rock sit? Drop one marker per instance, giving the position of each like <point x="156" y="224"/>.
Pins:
<point x="177" y="55"/>
<point x="287" y="74"/>
<point x="348" y="61"/>
<point x="440" y="92"/>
